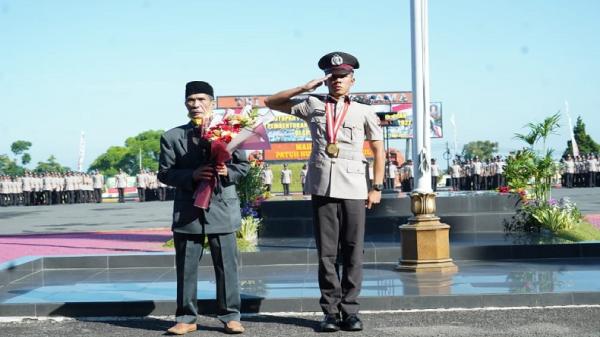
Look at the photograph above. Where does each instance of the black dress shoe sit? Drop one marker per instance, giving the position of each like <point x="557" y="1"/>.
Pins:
<point x="330" y="323"/>
<point x="351" y="323"/>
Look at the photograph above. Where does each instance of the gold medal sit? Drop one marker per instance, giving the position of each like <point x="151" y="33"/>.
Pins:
<point x="332" y="150"/>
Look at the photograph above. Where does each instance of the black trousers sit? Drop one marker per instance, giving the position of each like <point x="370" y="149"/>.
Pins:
<point x="434" y="180"/>
<point x="26" y="198"/>
<point x="98" y="195"/>
<point x="121" y="194"/>
<point x="455" y="184"/>
<point x="286" y="189"/>
<point x="141" y="194"/>
<point x="188" y="252"/>
<point x="476" y="182"/>
<point x="339" y="227"/>
<point x="162" y="193"/>
<point x="569" y="180"/>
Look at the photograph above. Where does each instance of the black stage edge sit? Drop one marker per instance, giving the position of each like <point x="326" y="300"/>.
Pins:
<point x="481" y="212"/>
<point x="15" y="270"/>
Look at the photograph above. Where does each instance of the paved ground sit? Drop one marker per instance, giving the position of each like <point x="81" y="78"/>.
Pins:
<point x="85" y="217"/>
<point x="574" y="321"/>
<point x="132" y="227"/>
<point x="587" y="199"/>
<point x="144" y="226"/>
<point x="135" y="215"/>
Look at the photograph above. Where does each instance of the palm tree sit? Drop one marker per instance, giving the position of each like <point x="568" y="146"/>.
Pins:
<point x="548" y="127"/>
<point x="529" y="138"/>
<point x="545" y="166"/>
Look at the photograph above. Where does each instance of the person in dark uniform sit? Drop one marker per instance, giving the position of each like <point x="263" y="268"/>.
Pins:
<point x="184" y="161"/>
<point x="337" y="182"/>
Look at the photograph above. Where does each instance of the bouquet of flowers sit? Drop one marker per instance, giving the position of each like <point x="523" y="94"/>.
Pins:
<point x="244" y="131"/>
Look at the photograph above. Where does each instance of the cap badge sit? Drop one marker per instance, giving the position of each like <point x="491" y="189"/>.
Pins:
<point x="337" y="60"/>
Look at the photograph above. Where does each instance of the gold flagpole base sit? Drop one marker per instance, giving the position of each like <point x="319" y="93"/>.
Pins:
<point x="425" y="240"/>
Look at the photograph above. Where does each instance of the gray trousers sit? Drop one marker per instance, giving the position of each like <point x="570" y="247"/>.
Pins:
<point x="188" y="252"/>
<point x="339" y="226"/>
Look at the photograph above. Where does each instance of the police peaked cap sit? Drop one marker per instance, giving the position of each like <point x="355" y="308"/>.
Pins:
<point x="338" y="62"/>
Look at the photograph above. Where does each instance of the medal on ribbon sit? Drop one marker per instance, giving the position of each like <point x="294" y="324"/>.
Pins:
<point x="333" y="125"/>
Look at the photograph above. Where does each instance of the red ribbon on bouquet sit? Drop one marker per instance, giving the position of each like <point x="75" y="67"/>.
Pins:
<point x="218" y="155"/>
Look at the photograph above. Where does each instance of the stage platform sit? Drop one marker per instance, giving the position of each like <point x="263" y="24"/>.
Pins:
<point x="282" y="277"/>
<point x="496" y="269"/>
<point x="465" y="212"/>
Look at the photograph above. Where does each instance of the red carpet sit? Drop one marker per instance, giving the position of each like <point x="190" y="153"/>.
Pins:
<point x="113" y="242"/>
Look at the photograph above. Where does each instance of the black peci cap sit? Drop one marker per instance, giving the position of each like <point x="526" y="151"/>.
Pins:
<point x="338" y="62"/>
<point x="198" y="87"/>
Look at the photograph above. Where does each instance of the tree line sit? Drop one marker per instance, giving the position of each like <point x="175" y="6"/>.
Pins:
<point x="143" y="150"/>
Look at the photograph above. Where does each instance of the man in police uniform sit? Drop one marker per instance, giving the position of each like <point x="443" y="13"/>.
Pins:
<point x="337" y="182"/>
<point x="184" y="161"/>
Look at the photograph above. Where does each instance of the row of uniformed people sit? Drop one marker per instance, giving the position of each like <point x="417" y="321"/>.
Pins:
<point x="474" y="174"/>
<point x="580" y="171"/>
<point x="148" y="186"/>
<point x="51" y="188"/>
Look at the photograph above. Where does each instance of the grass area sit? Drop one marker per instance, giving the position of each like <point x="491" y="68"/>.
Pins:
<point x="295" y="186"/>
<point x="585" y="231"/>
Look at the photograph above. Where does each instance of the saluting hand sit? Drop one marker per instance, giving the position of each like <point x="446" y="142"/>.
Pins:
<point x="314" y="84"/>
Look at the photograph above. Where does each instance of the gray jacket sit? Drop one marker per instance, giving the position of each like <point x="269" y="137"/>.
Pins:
<point x="181" y="152"/>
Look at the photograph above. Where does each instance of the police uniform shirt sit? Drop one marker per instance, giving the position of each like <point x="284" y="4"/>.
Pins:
<point x="26" y="183"/>
<point x="267" y="176"/>
<point x="286" y="176"/>
<point x="121" y="180"/>
<point x="570" y="166"/>
<point x="98" y="180"/>
<point x="342" y="177"/>
<point x="499" y="167"/>
<point x="435" y="171"/>
<point x="3" y="187"/>
<point x="477" y="167"/>
<point x="455" y="171"/>
<point x="140" y="180"/>
<point x="47" y="183"/>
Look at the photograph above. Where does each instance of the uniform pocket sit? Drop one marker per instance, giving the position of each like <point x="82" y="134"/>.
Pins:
<point x="319" y="125"/>
<point x="356" y="167"/>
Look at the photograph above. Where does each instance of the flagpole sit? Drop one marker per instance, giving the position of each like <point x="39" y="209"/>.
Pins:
<point x="81" y="152"/>
<point x="574" y="146"/>
<point x="424" y="239"/>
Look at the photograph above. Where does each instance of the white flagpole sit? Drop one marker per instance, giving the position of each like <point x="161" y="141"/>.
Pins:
<point x="81" y="152"/>
<point x="453" y="122"/>
<point x="420" y="88"/>
<point x="574" y="147"/>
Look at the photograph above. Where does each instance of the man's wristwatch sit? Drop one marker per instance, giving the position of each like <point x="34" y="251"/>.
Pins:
<point x="377" y="187"/>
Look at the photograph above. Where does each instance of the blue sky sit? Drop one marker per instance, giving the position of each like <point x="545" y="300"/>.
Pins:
<point x="115" y="68"/>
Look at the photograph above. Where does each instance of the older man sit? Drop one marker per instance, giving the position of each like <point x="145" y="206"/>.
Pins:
<point x="184" y="161"/>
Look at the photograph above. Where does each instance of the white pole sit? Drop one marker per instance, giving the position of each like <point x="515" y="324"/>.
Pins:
<point x="81" y="152"/>
<point x="420" y="91"/>
<point x="574" y="147"/>
<point x="453" y="122"/>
